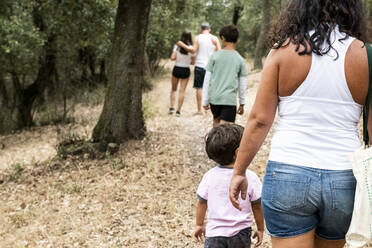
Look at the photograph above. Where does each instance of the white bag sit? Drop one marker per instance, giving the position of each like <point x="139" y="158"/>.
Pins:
<point x="360" y="230"/>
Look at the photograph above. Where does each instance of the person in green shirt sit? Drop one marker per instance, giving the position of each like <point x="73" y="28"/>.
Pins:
<point x="225" y="78"/>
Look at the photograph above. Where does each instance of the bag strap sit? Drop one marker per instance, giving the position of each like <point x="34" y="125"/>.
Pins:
<point x="369" y="96"/>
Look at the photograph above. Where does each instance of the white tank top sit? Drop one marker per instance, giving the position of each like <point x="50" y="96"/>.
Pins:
<point x="206" y="49"/>
<point x="182" y="60"/>
<point x="318" y="123"/>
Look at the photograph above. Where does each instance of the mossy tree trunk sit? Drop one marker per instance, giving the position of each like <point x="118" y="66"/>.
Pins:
<point x="122" y="117"/>
<point x="17" y="101"/>
<point x="10" y="116"/>
<point x="261" y="45"/>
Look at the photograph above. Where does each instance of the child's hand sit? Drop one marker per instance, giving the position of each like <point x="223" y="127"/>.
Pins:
<point x="259" y="236"/>
<point x="199" y="233"/>
<point x="241" y="110"/>
<point x="206" y="107"/>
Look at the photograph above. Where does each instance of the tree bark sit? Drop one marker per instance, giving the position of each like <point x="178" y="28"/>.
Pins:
<point x="122" y="117"/>
<point x="261" y="44"/>
<point x="102" y="72"/>
<point x="10" y="116"/>
<point x="46" y="78"/>
<point x="238" y="9"/>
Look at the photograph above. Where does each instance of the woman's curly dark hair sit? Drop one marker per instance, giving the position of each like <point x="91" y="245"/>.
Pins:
<point x="322" y="16"/>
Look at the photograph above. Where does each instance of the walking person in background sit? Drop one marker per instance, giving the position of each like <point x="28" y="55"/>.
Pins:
<point x="317" y="77"/>
<point x="204" y="46"/>
<point x="181" y="72"/>
<point x="226" y="77"/>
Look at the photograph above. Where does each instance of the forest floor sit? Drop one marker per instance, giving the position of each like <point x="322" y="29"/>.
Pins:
<point x="143" y="196"/>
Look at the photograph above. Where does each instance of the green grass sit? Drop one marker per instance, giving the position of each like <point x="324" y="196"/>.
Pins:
<point x="149" y="111"/>
<point x="15" y="171"/>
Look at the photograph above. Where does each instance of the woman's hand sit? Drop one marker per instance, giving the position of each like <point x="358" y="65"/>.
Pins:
<point x="238" y="185"/>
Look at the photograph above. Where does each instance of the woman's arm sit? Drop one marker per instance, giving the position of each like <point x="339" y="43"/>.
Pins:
<point x="173" y="56"/>
<point x="174" y="53"/>
<point x="259" y="123"/>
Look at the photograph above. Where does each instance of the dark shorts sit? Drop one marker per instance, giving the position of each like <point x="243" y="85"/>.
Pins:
<point x="240" y="240"/>
<point x="297" y="199"/>
<point x="224" y="112"/>
<point x="199" y="74"/>
<point x="181" y="72"/>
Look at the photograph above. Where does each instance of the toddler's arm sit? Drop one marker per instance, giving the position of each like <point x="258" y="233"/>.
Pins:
<point x="201" y="210"/>
<point x="258" y="217"/>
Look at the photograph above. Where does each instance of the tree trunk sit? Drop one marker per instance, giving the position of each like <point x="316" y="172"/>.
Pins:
<point x="122" y="118"/>
<point x="238" y="9"/>
<point x="10" y="116"/>
<point x="261" y="44"/>
<point x="16" y="102"/>
<point x="46" y="78"/>
<point x="102" y="72"/>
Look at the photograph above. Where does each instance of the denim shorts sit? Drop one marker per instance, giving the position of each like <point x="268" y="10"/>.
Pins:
<point x="297" y="199"/>
<point x="240" y="240"/>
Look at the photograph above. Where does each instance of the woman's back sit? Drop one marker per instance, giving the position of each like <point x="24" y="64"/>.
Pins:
<point x="320" y="102"/>
<point x="182" y="60"/>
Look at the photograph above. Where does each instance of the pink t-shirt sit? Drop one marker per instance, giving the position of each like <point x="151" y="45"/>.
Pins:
<point x="223" y="219"/>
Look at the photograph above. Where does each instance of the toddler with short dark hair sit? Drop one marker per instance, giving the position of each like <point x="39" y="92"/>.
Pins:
<point x="227" y="226"/>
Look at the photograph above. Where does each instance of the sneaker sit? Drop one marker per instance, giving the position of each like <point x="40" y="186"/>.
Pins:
<point x="171" y="111"/>
<point x="178" y="113"/>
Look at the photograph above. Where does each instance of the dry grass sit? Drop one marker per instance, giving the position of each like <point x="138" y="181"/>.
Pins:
<point x="144" y="196"/>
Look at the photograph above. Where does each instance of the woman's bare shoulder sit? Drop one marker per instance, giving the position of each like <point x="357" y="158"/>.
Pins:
<point x="356" y="71"/>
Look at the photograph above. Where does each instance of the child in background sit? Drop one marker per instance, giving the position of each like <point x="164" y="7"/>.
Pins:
<point x="226" y="75"/>
<point x="227" y="226"/>
<point x="181" y="72"/>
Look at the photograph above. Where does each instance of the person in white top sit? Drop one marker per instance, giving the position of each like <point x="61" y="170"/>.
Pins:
<point x="317" y="77"/>
<point x="204" y="46"/>
<point x="181" y="72"/>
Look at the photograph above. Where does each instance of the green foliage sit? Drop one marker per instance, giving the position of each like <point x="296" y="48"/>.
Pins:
<point x="169" y="18"/>
<point x="15" y="171"/>
<point x="52" y="48"/>
<point x="20" y="41"/>
<point x="78" y="34"/>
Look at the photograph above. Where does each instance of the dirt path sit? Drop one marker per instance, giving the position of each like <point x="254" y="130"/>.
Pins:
<point x="142" y="197"/>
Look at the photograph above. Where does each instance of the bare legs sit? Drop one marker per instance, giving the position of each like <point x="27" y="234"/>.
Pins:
<point x="181" y="93"/>
<point x="173" y="91"/>
<point x="198" y="100"/>
<point x="217" y="122"/>
<point x="322" y="243"/>
<point x="307" y="240"/>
